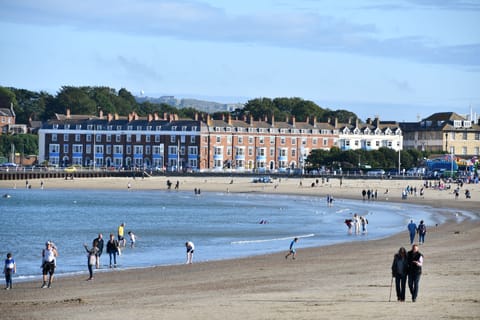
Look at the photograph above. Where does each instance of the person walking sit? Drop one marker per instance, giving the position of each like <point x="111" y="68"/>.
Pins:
<point x="412" y="229"/>
<point x="292" y="251"/>
<point x="399" y="272"/>
<point x="422" y="230"/>
<point x="112" y="250"/>
<point x="100" y="245"/>
<point x="49" y="263"/>
<point x="190" y="249"/>
<point x="9" y="269"/>
<point x="415" y="263"/>
<point x="91" y="258"/>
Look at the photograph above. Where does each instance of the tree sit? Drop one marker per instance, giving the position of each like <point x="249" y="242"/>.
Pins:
<point x="7" y="98"/>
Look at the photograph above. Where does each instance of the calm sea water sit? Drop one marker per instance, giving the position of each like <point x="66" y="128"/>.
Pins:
<point x="222" y="225"/>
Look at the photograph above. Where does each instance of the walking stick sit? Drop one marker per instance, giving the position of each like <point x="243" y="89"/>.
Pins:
<point x="391" y="286"/>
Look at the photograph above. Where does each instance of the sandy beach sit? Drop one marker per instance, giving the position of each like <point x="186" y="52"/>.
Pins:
<point x="342" y="281"/>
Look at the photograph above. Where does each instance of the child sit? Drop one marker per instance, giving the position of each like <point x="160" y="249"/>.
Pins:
<point x="132" y="239"/>
<point x="91" y="258"/>
<point x="9" y="269"/>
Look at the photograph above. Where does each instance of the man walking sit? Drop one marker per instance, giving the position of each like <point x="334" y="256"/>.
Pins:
<point x="412" y="229"/>
<point x="415" y="263"/>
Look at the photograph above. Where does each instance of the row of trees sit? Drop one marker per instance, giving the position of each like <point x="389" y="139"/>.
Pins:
<point x="384" y="158"/>
<point x="87" y="100"/>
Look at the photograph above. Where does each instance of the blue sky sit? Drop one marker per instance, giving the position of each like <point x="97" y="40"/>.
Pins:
<point x="401" y="60"/>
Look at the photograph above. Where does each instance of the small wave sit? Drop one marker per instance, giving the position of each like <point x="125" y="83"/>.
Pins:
<point x="269" y="240"/>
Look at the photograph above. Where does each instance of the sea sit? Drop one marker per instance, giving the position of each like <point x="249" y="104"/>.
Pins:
<point x="221" y="225"/>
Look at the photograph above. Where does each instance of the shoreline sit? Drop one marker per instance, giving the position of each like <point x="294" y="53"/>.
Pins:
<point x="333" y="281"/>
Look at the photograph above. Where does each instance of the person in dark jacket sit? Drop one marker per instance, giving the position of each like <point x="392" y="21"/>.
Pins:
<point x="399" y="272"/>
<point x="99" y="243"/>
<point x="112" y="250"/>
<point x="415" y="263"/>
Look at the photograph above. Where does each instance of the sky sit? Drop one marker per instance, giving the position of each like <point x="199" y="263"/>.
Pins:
<point x="400" y="60"/>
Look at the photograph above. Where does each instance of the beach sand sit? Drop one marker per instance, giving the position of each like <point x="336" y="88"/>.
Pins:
<point x="341" y="281"/>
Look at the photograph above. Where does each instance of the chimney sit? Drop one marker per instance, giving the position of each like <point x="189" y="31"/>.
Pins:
<point x="349" y="120"/>
<point x="116" y="117"/>
<point x="336" y="122"/>
<point x="250" y="120"/>
<point x="356" y="123"/>
<point x="314" y="121"/>
<point x="68" y="113"/>
<point x="293" y="121"/>
<point x="196" y="116"/>
<point x="165" y="116"/>
<point x="209" y="120"/>
<point x="100" y="115"/>
<point x="130" y="117"/>
<point x="377" y="121"/>
<point x="229" y="119"/>
<point x="150" y="118"/>
<point x="223" y="117"/>
<point x="109" y="117"/>
<point x="328" y="120"/>
<point x="155" y="116"/>
<point x="272" y="122"/>
<point x="135" y="115"/>
<point x="307" y="120"/>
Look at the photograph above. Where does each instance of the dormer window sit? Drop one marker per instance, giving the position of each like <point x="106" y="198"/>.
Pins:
<point x="457" y="123"/>
<point x="467" y="124"/>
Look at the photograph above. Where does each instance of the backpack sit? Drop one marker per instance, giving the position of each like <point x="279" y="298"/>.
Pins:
<point x="422" y="229"/>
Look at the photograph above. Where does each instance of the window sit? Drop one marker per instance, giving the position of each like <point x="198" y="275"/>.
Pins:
<point x="465" y="136"/>
<point x="118" y="138"/>
<point x="77" y="148"/>
<point x="294" y="141"/>
<point x="54" y="148"/>
<point x="129" y="149"/>
<point x="54" y="137"/>
<point x="118" y="149"/>
<point x="240" y="140"/>
<point x="192" y="139"/>
<point x="147" y="149"/>
<point x="109" y="138"/>
<point x="294" y="153"/>
<point x="138" y="138"/>
<point x="77" y="137"/>
<point x="464" y="150"/>
<point x="261" y="140"/>
<point x="218" y="139"/>
<point x="109" y="149"/>
<point x="250" y="151"/>
<point x="192" y="150"/>
<point x="157" y="138"/>
<point x="129" y="138"/>
<point x="172" y="139"/>
<point x="147" y="138"/>
<point x="65" y="148"/>
<point x="250" y="140"/>
<point x="65" y="137"/>
<point x="272" y="140"/>
<point x="282" y="140"/>
<point x="272" y="152"/>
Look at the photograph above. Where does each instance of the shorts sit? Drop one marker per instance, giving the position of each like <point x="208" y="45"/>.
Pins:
<point x="48" y="268"/>
<point x="190" y="251"/>
<point x="120" y="238"/>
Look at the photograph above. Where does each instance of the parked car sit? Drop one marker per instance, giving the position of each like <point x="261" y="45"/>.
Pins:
<point x="376" y="172"/>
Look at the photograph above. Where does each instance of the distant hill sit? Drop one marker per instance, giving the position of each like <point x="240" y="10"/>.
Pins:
<point x="201" y="105"/>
